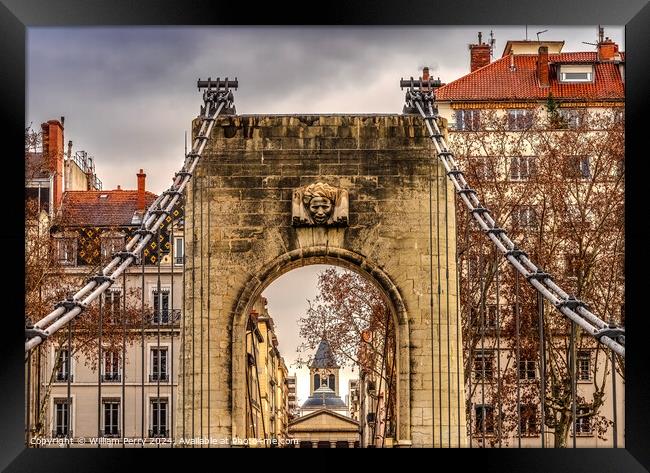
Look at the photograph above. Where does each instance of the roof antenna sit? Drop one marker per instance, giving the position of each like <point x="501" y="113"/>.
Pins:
<point x="601" y="33"/>
<point x="539" y="33"/>
<point x="185" y="142"/>
<point x="526" y="32"/>
<point x="492" y="42"/>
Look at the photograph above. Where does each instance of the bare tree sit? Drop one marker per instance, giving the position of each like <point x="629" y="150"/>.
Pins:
<point x="557" y="186"/>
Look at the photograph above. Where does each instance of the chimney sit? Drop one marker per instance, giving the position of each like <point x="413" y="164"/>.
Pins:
<point x="542" y="67"/>
<point x="479" y="54"/>
<point x="607" y="50"/>
<point x="53" y="153"/>
<point x="425" y="74"/>
<point x="141" y="177"/>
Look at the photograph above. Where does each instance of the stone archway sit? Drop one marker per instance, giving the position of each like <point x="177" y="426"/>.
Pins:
<point x="321" y="255"/>
<point x="242" y="233"/>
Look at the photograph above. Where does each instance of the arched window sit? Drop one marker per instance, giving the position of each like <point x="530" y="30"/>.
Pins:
<point x="316" y="381"/>
<point x="332" y="382"/>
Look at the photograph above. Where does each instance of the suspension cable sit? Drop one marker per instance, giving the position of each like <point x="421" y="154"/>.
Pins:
<point x="217" y="97"/>
<point x="612" y="336"/>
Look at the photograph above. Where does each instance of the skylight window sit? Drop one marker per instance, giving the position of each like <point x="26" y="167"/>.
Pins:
<point x="575" y="77"/>
<point x="576" y="73"/>
<point x="103" y="196"/>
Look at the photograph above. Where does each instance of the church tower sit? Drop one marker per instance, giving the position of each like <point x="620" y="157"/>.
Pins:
<point x="324" y="382"/>
<point x="323" y="369"/>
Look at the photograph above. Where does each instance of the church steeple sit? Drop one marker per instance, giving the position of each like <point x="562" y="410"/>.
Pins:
<point x="323" y="368"/>
<point x="324" y="382"/>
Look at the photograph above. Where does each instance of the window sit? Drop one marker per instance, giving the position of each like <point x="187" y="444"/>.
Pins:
<point x="66" y="251"/>
<point x="62" y="418"/>
<point x="111" y="366"/>
<point x="316" y="381"/>
<point x="113" y="305"/>
<point x="473" y="266"/>
<point x="620" y="168"/>
<point x="571" y="117"/>
<point x="575" y="76"/>
<point x="524" y="216"/>
<point x="572" y="265"/>
<point x="179" y="250"/>
<point x="522" y="167"/>
<point x="467" y="120"/>
<point x="110" y="246"/>
<point x="158" y="414"/>
<point x="484" y="419"/>
<point x="520" y="119"/>
<point x="63" y="372"/>
<point x="584" y="366"/>
<point x="111" y="418"/>
<point x="576" y="72"/>
<point x="490" y="320"/>
<point x="161" y="313"/>
<point x="484" y="364"/>
<point x="619" y="116"/>
<point x="528" y="420"/>
<point x="484" y="167"/>
<point x="158" y="364"/>
<point x="527" y="369"/>
<point x="332" y="382"/>
<point x="583" y="421"/>
<point x="576" y="167"/>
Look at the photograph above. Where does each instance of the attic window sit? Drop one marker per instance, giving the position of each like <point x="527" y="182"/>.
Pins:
<point x="576" y="73"/>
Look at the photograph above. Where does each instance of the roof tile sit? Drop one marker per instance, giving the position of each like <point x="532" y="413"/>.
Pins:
<point x="89" y="208"/>
<point x="496" y="81"/>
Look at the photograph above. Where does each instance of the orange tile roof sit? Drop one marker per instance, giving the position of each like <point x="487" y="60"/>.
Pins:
<point x="87" y="208"/>
<point x="496" y="82"/>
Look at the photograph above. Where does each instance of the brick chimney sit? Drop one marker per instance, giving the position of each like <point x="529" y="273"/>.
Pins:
<point x="141" y="178"/>
<point x="479" y="54"/>
<point x="607" y="50"/>
<point x="542" y="67"/>
<point x="53" y="153"/>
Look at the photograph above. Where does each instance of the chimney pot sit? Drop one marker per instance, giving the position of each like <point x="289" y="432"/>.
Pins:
<point x="479" y="56"/>
<point x="53" y="153"/>
<point x="141" y="189"/>
<point x="607" y="50"/>
<point x="542" y="66"/>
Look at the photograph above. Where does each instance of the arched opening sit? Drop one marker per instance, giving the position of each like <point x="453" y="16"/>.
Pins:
<point x="395" y="418"/>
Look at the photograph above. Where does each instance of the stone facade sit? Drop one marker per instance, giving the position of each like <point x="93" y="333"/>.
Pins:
<point x="399" y="235"/>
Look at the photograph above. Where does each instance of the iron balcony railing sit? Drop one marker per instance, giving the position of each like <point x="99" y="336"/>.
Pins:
<point x="111" y="377"/>
<point x="165" y="317"/>
<point x="158" y="432"/>
<point x="158" y="377"/>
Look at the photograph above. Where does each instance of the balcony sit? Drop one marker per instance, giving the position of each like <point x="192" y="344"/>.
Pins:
<point x="155" y="377"/>
<point x="165" y="317"/>
<point x="158" y="432"/>
<point x="110" y="432"/>
<point x="179" y="259"/>
<point x="111" y="377"/>
<point x="61" y="432"/>
<point x="63" y="378"/>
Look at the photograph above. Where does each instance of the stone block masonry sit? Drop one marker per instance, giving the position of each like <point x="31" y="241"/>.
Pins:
<point x="244" y="185"/>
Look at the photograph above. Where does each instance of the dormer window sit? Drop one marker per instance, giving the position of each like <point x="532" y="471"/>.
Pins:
<point x="570" y="73"/>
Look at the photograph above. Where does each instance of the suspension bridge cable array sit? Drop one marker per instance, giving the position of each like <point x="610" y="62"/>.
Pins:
<point x="420" y="99"/>
<point x="217" y="96"/>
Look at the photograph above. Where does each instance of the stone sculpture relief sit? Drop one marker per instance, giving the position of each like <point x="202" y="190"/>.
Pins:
<point x="320" y="204"/>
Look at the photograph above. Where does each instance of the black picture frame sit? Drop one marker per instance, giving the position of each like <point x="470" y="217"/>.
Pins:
<point x="17" y="15"/>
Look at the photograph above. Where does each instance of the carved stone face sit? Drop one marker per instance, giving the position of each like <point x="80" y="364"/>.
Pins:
<point x="320" y="209"/>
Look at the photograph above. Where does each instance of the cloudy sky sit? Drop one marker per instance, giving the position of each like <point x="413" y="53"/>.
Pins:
<point x="129" y="94"/>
